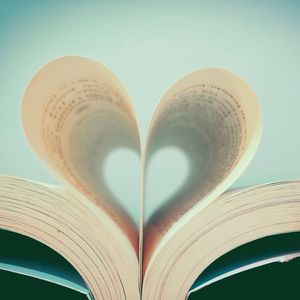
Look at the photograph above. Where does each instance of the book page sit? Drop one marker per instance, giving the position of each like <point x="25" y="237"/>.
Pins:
<point x="75" y="113"/>
<point x="231" y="221"/>
<point x="213" y="118"/>
<point x="97" y="249"/>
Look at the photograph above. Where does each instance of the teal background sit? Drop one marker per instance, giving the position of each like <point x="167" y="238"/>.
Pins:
<point x="150" y="45"/>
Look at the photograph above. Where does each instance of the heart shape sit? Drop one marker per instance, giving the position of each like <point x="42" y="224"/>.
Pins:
<point x="167" y="173"/>
<point x="122" y="176"/>
<point x="77" y="116"/>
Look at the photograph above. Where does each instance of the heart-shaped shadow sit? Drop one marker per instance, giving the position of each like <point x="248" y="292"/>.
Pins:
<point x="122" y="175"/>
<point x="166" y="175"/>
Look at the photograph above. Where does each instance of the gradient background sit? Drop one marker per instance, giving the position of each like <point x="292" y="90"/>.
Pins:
<point x="149" y="46"/>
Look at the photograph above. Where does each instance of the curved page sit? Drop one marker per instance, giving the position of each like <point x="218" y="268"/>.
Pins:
<point x="213" y="118"/>
<point x="75" y="114"/>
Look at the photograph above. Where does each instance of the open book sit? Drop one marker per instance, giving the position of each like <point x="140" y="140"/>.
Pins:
<point x="75" y="113"/>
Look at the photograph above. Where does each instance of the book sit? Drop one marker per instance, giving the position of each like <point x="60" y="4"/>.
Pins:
<point x="75" y="114"/>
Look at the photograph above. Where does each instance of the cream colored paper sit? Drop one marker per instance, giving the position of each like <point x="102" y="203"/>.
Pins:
<point x="213" y="117"/>
<point x="75" y="113"/>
